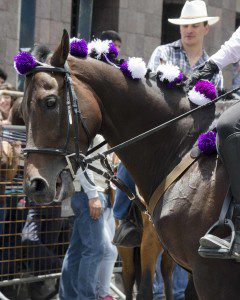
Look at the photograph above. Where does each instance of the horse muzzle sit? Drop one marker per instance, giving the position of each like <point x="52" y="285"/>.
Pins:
<point x="42" y="192"/>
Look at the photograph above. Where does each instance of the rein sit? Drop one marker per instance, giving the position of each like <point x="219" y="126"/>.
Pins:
<point x="75" y="117"/>
<point x="155" y="129"/>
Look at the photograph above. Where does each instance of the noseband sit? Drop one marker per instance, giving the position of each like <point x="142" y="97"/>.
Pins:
<point x="72" y="108"/>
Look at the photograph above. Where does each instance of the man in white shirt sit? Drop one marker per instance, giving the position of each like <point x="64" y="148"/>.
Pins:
<point x="228" y="130"/>
<point x="90" y="258"/>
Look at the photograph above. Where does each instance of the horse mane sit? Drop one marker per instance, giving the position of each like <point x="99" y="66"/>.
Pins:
<point x="41" y="52"/>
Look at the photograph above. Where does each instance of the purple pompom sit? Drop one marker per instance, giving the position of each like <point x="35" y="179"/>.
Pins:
<point x="207" y="142"/>
<point x="206" y="88"/>
<point x="78" y="47"/>
<point x="125" y="70"/>
<point x="113" y="52"/>
<point x="177" y="80"/>
<point x="24" y="62"/>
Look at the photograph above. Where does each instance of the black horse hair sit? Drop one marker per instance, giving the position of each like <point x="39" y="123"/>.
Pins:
<point x="41" y="52"/>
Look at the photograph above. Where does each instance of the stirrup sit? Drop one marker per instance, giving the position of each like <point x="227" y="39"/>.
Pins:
<point x="222" y="250"/>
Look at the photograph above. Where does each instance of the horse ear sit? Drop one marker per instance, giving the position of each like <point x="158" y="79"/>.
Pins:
<point x="61" y="53"/>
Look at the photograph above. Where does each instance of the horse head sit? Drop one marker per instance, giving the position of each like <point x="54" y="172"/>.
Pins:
<point x="49" y="125"/>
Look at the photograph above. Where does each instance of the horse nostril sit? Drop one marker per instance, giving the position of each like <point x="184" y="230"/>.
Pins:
<point x="37" y="185"/>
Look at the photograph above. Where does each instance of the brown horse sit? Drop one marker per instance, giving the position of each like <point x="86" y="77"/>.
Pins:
<point x="139" y="264"/>
<point x="120" y="108"/>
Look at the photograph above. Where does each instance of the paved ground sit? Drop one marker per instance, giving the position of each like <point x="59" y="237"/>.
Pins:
<point x="20" y="292"/>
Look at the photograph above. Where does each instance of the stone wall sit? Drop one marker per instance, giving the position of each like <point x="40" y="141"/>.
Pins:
<point x="52" y="16"/>
<point x="223" y="30"/>
<point x="139" y="22"/>
<point x="140" y="26"/>
<point x="9" y="35"/>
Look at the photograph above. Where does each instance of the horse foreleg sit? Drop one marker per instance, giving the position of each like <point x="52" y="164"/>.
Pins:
<point x="190" y="292"/>
<point x="150" y="249"/>
<point x="128" y="270"/>
<point x="167" y="265"/>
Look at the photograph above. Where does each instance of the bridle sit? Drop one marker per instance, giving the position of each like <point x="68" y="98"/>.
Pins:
<point x="75" y="117"/>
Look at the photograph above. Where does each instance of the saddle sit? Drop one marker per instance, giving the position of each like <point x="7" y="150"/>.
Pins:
<point x="129" y="234"/>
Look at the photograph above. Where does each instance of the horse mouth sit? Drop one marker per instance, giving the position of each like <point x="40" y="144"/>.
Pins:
<point x="64" y="186"/>
<point x="58" y="186"/>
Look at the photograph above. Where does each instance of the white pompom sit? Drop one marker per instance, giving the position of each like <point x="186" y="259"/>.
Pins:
<point x="197" y="98"/>
<point x="100" y="47"/>
<point x="74" y="39"/>
<point x="169" y="72"/>
<point x="137" y="67"/>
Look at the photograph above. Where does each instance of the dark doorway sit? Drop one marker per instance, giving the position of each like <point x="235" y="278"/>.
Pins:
<point x="170" y="32"/>
<point x="75" y="17"/>
<point x="105" y="16"/>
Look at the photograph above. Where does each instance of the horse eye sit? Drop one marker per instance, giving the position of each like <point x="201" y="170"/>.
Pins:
<point x="50" y="102"/>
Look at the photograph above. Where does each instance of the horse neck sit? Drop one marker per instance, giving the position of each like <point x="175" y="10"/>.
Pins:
<point x="130" y="108"/>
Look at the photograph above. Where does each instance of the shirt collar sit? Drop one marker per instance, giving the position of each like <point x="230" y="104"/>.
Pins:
<point x="178" y="45"/>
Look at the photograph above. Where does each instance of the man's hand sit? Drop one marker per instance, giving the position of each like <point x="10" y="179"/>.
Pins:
<point x="95" y="207"/>
<point x="206" y="71"/>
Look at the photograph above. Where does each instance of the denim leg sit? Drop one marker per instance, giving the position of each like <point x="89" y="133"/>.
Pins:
<point x="110" y="254"/>
<point x="122" y="203"/>
<point x="69" y="279"/>
<point x="85" y="253"/>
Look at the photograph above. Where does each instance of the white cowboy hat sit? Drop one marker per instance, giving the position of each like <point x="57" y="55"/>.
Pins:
<point x="194" y="12"/>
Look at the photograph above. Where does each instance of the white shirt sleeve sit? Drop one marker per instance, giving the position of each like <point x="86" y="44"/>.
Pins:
<point x="229" y="52"/>
<point x="89" y="189"/>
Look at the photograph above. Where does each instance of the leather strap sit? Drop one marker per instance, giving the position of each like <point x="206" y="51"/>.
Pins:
<point x="225" y="208"/>
<point x="185" y="163"/>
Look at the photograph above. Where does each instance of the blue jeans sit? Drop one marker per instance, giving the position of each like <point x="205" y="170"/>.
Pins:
<point x="180" y="281"/>
<point x="85" y="252"/>
<point x="110" y="254"/>
<point x="122" y="203"/>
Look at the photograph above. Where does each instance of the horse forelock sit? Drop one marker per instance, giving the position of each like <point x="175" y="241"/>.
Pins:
<point x="41" y="53"/>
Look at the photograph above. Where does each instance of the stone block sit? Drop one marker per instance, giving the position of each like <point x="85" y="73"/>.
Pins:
<point x="135" y="5"/>
<point x="37" y="30"/>
<point x="44" y="31"/>
<point x="131" y="21"/>
<point x="14" y="6"/>
<point x="216" y="3"/>
<point x="123" y="3"/>
<point x="56" y="13"/>
<point x="67" y="26"/>
<point x="157" y="7"/>
<point x="139" y="42"/>
<point x="66" y="11"/>
<point x="123" y="16"/>
<point x="3" y="23"/>
<point x="56" y="29"/>
<point x="11" y="49"/>
<point x="13" y="26"/>
<point x="128" y="44"/>
<point x="228" y="77"/>
<point x="228" y="17"/>
<point x="150" y="44"/>
<point x="4" y="5"/>
<point x="2" y="48"/>
<point x="230" y="4"/>
<point x="153" y="24"/>
<point x="43" y="9"/>
<point x="12" y="74"/>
